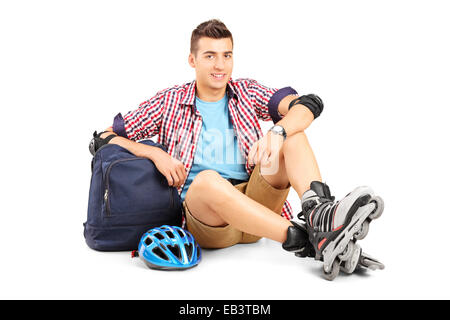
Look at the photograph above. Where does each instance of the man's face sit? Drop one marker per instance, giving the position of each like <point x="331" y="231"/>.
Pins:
<point x="213" y="62"/>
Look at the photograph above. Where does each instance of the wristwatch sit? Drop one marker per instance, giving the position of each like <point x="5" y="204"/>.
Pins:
<point x="277" y="129"/>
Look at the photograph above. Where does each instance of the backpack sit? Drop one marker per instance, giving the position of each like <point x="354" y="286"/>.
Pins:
<point x="127" y="197"/>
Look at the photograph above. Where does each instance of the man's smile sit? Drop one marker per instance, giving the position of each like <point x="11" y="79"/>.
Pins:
<point x="218" y="76"/>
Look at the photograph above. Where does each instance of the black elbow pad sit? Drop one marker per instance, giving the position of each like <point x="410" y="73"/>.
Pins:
<point x="98" y="142"/>
<point x="311" y="101"/>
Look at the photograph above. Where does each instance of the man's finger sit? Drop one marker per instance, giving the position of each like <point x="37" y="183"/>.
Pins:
<point x="181" y="174"/>
<point x="265" y="158"/>
<point x="176" y="178"/>
<point x="169" y="179"/>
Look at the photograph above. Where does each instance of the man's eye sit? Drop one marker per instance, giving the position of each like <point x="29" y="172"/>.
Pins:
<point x="209" y="57"/>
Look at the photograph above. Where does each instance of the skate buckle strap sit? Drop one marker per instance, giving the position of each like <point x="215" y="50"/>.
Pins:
<point x="325" y="199"/>
<point x="310" y="204"/>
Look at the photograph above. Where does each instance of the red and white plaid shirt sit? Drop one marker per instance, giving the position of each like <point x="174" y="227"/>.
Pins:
<point x="171" y="114"/>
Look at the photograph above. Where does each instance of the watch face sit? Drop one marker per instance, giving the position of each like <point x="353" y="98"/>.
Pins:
<point x="277" y="129"/>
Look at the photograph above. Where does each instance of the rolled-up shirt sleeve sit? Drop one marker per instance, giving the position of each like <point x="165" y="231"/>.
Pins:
<point x="142" y="123"/>
<point x="266" y="100"/>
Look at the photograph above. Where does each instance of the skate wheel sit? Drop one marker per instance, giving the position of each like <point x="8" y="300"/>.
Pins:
<point x="335" y="268"/>
<point x="362" y="233"/>
<point x="350" y="265"/>
<point x="347" y="253"/>
<point x="379" y="207"/>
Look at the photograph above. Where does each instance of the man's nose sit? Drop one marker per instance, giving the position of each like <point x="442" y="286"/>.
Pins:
<point x="219" y="63"/>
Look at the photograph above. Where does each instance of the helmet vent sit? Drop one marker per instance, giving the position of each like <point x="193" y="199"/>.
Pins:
<point x="148" y="241"/>
<point x="158" y="252"/>
<point x="175" y="249"/>
<point x="189" y="247"/>
<point x="170" y="234"/>
<point x="180" y="232"/>
<point x="159" y="236"/>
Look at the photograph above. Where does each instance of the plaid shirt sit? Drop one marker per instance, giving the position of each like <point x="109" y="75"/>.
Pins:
<point x="171" y="114"/>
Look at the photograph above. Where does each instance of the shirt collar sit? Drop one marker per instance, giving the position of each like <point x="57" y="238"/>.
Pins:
<point x="189" y="97"/>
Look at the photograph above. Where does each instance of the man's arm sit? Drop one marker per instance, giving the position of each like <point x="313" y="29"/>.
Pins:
<point x="270" y="103"/>
<point x="297" y="119"/>
<point x="138" y="149"/>
<point x="143" y="122"/>
<point x="171" y="168"/>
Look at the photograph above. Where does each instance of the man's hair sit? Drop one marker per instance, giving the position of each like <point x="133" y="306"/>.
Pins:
<point x="214" y="28"/>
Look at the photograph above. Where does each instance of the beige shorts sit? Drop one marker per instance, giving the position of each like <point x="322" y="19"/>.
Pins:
<point x="257" y="189"/>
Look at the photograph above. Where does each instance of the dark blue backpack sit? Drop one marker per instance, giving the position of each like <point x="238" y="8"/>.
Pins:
<point x="127" y="197"/>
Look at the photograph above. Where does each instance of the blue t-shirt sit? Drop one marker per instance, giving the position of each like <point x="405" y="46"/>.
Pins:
<point x="217" y="147"/>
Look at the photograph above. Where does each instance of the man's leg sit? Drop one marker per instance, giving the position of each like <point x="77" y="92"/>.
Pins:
<point x="296" y="164"/>
<point x="215" y="202"/>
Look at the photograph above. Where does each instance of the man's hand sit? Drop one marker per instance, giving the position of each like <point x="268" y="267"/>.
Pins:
<point x="266" y="149"/>
<point x="170" y="167"/>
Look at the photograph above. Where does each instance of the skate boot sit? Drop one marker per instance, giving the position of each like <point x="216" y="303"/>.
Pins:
<point x="334" y="227"/>
<point x="297" y="241"/>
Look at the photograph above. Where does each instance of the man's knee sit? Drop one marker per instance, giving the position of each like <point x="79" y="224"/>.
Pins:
<point x="204" y="196"/>
<point x="293" y="141"/>
<point x="208" y="184"/>
<point x="206" y="179"/>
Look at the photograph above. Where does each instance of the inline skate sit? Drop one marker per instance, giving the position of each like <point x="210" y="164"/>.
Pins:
<point x="334" y="227"/>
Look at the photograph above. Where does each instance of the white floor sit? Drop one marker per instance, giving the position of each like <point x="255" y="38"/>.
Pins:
<point x="56" y="264"/>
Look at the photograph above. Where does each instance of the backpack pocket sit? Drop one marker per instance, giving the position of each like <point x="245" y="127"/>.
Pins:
<point x="136" y="193"/>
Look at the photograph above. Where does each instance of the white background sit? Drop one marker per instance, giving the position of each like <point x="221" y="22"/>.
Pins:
<point x="381" y="67"/>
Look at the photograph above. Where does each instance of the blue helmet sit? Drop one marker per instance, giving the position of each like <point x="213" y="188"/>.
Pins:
<point x="169" y="248"/>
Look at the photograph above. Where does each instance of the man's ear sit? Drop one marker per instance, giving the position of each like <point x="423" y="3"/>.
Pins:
<point x="191" y="60"/>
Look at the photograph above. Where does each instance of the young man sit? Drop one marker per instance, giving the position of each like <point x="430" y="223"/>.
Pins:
<point x="243" y="197"/>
